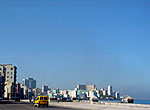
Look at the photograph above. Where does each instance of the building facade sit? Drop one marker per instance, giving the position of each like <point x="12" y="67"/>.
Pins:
<point x="10" y="72"/>
<point x="2" y="83"/>
<point x="44" y="88"/>
<point x="117" y="95"/>
<point x="109" y="90"/>
<point x="36" y="92"/>
<point x="29" y="83"/>
<point x="86" y="87"/>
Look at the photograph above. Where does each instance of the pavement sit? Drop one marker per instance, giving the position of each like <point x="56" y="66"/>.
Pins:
<point x="11" y="105"/>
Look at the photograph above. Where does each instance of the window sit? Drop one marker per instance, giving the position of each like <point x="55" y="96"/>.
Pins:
<point x="11" y="68"/>
<point x="45" y="98"/>
<point x="11" y="73"/>
<point x="11" y="77"/>
<point x="7" y="76"/>
<point x="7" y="72"/>
<point x="41" y="98"/>
<point x="0" y="68"/>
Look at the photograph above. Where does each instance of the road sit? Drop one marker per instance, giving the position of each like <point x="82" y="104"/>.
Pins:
<point x="29" y="106"/>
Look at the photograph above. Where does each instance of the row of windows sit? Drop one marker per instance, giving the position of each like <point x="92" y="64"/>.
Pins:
<point x="10" y="77"/>
<point x="8" y="73"/>
<point x="11" y="68"/>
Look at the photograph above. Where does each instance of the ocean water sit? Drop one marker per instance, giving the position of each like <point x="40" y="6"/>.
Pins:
<point x="135" y="101"/>
<point x="142" y="102"/>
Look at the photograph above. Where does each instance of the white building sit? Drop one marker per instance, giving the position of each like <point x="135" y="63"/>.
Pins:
<point x="73" y="93"/>
<point x="104" y="93"/>
<point x="25" y="90"/>
<point x="109" y="90"/>
<point x="117" y="95"/>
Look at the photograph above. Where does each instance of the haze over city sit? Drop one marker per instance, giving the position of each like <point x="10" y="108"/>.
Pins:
<point x="67" y="43"/>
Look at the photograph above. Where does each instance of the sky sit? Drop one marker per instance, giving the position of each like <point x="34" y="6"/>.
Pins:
<point x="63" y="43"/>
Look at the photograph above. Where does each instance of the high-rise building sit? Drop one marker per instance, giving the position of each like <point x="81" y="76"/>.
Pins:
<point x="10" y="72"/>
<point x="29" y="83"/>
<point x="104" y="93"/>
<point x="109" y="90"/>
<point x="2" y="84"/>
<point x="37" y="91"/>
<point x="86" y="87"/>
<point x="44" y="88"/>
<point x="117" y="95"/>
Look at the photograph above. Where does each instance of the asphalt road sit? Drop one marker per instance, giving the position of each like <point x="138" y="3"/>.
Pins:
<point x="29" y="106"/>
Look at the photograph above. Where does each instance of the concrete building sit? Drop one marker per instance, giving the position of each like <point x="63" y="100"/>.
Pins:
<point x="86" y="87"/>
<point x="29" y="83"/>
<point x="25" y="90"/>
<point x="92" y="94"/>
<point x="104" y="93"/>
<point x="37" y="91"/>
<point x="117" y="95"/>
<point x="2" y="82"/>
<point x="19" y="91"/>
<point x="73" y="94"/>
<point x="109" y="90"/>
<point x="63" y="92"/>
<point x="45" y="88"/>
<point x="10" y="72"/>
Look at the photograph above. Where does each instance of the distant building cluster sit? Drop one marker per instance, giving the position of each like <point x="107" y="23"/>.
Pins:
<point x="9" y="89"/>
<point x="84" y="92"/>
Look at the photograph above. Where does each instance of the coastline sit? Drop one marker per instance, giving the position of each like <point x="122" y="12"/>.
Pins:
<point x="102" y="106"/>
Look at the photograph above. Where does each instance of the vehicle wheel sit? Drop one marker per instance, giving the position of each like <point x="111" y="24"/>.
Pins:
<point x="38" y="105"/>
<point x="46" y="105"/>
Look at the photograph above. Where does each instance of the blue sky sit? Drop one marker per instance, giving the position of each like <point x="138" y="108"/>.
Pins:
<point x="66" y="42"/>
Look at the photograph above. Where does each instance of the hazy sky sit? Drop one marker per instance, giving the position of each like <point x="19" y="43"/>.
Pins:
<point x="70" y="42"/>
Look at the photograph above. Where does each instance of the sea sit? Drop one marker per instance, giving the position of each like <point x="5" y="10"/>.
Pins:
<point x="135" y="101"/>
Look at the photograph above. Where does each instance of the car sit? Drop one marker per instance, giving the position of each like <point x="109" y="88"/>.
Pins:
<point x="41" y="101"/>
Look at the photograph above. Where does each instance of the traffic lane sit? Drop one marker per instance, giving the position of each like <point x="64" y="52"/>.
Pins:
<point x="52" y="107"/>
<point x="28" y="106"/>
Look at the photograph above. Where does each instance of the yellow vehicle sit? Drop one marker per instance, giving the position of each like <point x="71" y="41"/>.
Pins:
<point x="41" y="100"/>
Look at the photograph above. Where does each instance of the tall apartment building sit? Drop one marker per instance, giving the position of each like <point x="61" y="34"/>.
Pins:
<point x="2" y="83"/>
<point x="117" y="95"/>
<point x="9" y="72"/>
<point x="37" y="91"/>
<point x="45" y="88"/>
<point x="29" y="83"/>
<point x="86" y="87"/>
<point x="110" y="93"/>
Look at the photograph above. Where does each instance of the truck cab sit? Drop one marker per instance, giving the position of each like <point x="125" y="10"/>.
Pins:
<point x="41" y="101"/>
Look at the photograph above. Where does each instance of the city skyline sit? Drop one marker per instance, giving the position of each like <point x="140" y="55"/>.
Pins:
<point x="72" y="42"/>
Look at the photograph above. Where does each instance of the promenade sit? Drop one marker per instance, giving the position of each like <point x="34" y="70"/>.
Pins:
<point x="106" y="106"/>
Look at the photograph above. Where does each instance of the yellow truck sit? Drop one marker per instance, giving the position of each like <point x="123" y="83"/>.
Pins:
<point x="41" y="101"/>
